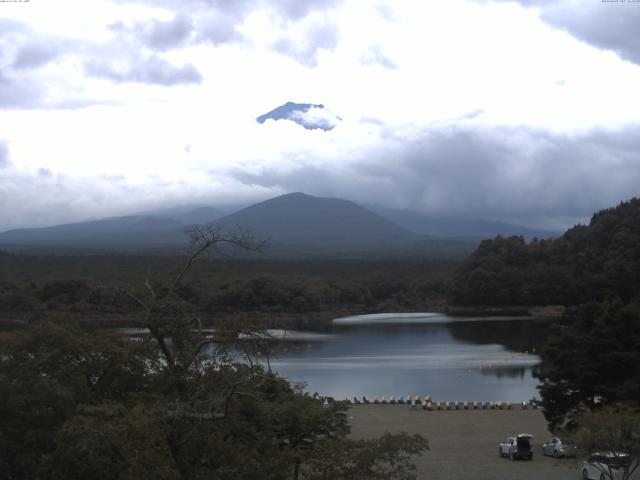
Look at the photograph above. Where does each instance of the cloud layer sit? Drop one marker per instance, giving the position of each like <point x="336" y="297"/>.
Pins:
<point x="515" y="110"/>
<point x="610" y="25"/>
<point x="4" y="155"/>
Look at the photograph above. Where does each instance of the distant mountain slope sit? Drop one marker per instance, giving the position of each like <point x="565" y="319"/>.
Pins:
<point x="165" y="227"/>
<point x="300" y="218"/>
<point x="308" y="115"/>
<point x="96" y="231"/>
<point x="199" y="216"/>
<point x="188" y="215"/>
<point x="295" y="225"/>
<point x="460" y="227"/>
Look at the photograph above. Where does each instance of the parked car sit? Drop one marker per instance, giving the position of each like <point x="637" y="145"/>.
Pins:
<point x="606" y="466"/>
<point x="557" y="448"/>
<point x="517" y="447"/>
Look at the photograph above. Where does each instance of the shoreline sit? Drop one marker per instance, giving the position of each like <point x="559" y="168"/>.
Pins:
<point x="316" y="319"/>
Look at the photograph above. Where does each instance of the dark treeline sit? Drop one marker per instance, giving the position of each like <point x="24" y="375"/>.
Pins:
<point x="588" y="263"/>
<point x="34" y="286"/>
<point x="589" y="362"/>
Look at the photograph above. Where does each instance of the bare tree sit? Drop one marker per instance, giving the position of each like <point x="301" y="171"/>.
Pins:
<point x="179" y="337"/>
<point x="613" y="435"/>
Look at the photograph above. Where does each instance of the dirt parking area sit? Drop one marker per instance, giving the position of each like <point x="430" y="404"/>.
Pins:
<point x="464" y="443"/>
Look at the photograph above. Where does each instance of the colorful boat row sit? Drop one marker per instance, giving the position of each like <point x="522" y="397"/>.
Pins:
<point x="427" y="404"/>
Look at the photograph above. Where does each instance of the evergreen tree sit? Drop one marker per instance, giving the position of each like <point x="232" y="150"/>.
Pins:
<point x="592" y="362"/>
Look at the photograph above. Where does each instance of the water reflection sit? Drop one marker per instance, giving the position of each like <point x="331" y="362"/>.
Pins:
<point x="506" y="372"/>
<point x="474" y="360"/>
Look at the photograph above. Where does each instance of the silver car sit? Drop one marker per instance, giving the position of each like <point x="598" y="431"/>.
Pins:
<point x="556" y="448"/>
<point x="606" y="466"/>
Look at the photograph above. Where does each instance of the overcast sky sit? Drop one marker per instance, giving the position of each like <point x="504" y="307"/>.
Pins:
<point x="522" y="111"/>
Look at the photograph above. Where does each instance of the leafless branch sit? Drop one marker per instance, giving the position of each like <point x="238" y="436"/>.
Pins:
<point x="150" y="288"/>
<point x="205" y="238"/>
<point x="135" y="299"/>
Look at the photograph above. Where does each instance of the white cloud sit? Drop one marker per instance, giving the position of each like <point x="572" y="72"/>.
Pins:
<point x="609" y="25"/>
<point x="4" y="155"/>
<point x="488" y="108"/>
<point x="151" y="69"/>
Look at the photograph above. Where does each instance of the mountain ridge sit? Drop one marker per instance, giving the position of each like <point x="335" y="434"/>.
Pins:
<point x="457" y="227"/>
<point x="298" y="217"/>
<point x="294" y="224"/>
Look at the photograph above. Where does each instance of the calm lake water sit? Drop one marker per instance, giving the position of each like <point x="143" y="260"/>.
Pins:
<point x="450" y="358"/>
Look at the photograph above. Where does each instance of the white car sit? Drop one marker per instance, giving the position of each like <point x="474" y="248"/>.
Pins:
<point x="556" y="448"/>
<point x="517" y="447"/>
<point x="606" y="466"/>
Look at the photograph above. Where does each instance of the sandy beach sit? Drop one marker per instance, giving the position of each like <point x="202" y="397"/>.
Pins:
<point x="464" y="443"/>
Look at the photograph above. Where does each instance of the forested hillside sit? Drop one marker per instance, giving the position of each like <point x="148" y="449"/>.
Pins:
<point x="587" y="263"/>
<point x="33" y="287"/>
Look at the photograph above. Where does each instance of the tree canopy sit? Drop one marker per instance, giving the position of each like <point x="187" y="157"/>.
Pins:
<point x="587" y="263"/>
<point x="174" y="404"/>
<point x="592" y="362"/>
<point x="614" y="432"/>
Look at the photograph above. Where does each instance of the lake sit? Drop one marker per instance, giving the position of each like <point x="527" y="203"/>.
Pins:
<point x="450" y="358"/>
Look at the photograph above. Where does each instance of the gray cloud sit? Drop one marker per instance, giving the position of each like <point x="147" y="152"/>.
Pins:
<point x="24" y="92"/>
<point x="386" y="13"/>
<point x="164" y="35"/>
<point x="23" y="48"/>
<point x="16" y="90"/>
<point x="217" y="28"/>
<point x="43" y="197"/>
<point x="11" y="26"/>
<point x="157" y="34"/>
<point x="296" y="9"/>
<point x="21" y="51"/>
<point x="319" y="36"/>
<point x="150" y="70"/>
<point x="44" y="173"/>
<point x="33" y="55"/>
<point x="119" y="64"/>
<point x="215" y="21"/>
<point x="292" y="9"/>
<point x="22" y="193"/>
<point x="375" y="56"/>
<point x="515" y="174"/>
<point x="35" y="198"/>
<point x="518" y="174"/>
<point x="19" y="93"/>
<point x="609" y="25"/>
<point x="5" y="161"/>
<point x="213" y="25"/>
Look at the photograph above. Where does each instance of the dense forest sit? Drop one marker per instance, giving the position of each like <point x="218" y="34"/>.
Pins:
<point x="589" y="370"/>
<point x="32" y="287"/>
<point x="81" y="403"/>
<point x="592" y="362"/>
<point x="588" y="263"/>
